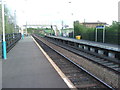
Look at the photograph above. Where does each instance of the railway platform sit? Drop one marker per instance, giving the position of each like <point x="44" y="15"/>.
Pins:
<point x="108" y="50"/>
<point x="27" y="67"/>
<point x="90" y="43"/>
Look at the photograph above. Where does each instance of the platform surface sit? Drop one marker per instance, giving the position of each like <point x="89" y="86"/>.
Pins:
<point x="27" y="67"/>
<point x="91" y="43"/>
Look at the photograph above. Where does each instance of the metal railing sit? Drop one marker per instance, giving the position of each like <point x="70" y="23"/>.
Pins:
<point x="11" y="40"/>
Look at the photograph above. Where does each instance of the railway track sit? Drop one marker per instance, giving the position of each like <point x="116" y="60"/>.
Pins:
<point x="113" y="65"/>
<point x="80" y="77"/>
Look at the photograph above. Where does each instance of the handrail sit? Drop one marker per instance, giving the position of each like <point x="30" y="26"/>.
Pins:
<point x="11" y="40"/>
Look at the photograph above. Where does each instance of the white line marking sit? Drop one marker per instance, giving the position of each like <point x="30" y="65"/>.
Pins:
<point x="66" y="80"/>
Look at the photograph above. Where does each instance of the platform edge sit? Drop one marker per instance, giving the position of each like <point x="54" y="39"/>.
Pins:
<point x="62" y="75"/>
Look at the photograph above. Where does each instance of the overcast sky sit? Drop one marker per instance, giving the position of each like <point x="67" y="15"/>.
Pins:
<point x="54" y="11"/>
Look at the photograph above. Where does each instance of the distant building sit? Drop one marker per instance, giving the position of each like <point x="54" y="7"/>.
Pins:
<point x="93" y="24"/>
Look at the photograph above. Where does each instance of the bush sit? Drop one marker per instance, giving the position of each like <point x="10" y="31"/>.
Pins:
<point x="111" y="33"/>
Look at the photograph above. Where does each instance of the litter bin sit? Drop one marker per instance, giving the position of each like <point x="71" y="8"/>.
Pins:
<point x="78" y="37"/>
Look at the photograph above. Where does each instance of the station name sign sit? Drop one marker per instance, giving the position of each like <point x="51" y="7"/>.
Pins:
<point x="99" y="27"/>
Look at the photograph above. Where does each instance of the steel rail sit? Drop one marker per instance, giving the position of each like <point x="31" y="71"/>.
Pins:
<point x="102" y="82"/>
<point x="84" y="56"/>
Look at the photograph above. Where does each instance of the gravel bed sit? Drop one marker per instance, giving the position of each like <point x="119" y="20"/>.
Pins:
<point x="104" y="74"/>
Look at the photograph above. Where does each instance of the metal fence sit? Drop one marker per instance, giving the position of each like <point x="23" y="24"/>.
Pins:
<point x="11" y="40"/>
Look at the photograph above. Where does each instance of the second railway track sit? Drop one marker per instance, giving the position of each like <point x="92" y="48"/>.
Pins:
<point x="113" y="65"/>
<point x="79" y="76"/>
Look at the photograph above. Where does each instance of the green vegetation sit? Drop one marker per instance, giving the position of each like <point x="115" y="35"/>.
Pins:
<point x="86" y="33"/>
<point x="43" y="31"/>
<point x="111" y="33"/>
<point x="49" y="31"/>
<point x="68" y="32"/>
<point x="9" y="21"/>
<point x="9" y="24"/>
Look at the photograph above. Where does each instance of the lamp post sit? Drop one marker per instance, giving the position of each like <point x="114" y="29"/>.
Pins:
<point x="15" y="31"/>
<point x="119" y="11"/>
<point x="73" y="27"/>
<point x="3" y="28"/>
<point x="26" y="26"/>
<point x="72" y="17"/>
<point x="26" y="17"/>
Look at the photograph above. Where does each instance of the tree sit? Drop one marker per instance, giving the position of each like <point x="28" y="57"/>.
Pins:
<point x="112" y="33"/>
<point x="83" y="31"/>
<point x="9" y="22"/>
<point x="76" y="28"/>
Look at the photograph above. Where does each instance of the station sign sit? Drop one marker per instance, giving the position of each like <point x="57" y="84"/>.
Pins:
<point x="99" y="27"/>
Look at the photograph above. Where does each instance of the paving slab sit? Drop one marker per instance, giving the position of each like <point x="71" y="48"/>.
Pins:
<point x="27" y="67"/>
